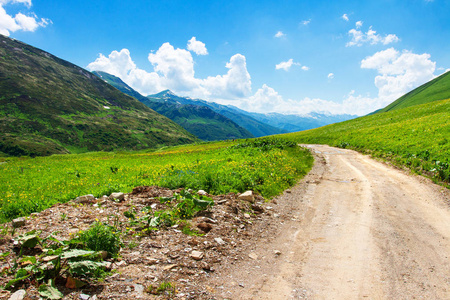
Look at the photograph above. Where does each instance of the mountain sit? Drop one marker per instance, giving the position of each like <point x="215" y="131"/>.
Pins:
<point x="48" y="105"/>
<point x="240" y="117"/>
<point x="293" y="123"/>
<point x="436" y="89"/>
<point x="199" y="120"/>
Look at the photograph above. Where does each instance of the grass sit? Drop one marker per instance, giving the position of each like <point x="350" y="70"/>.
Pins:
<point x="33" y="184"/>
<point x="416" y="137"/>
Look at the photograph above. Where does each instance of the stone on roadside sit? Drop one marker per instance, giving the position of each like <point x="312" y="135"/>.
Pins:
<point x="19" y="222"/>
<point x="202" y="193"/>
<point x="277" y="252"/>
<point x="197" y="255"/>
<point x="253" y="256"/>
<point x="85" y="199"/>
<point x="247" y="196"/>
<point x="219" y="241"/>
<point x="117" y="196"/>
<point x="18" y="295"/>
<point x="247" y="216"/>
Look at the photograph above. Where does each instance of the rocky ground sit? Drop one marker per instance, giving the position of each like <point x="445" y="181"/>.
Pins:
<point x="147" y="261"/>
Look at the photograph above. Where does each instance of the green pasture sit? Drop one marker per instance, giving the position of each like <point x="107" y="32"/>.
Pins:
<point x="267" y="167"/>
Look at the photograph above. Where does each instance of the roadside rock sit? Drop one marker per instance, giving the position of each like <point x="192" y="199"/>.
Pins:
<point x="18" y="295"/>
<point x="197" y="255"/>
<point x="117" y="196"/>
<point x="247" y="196"/>
<point x="85" y="199"/>
<point x="19" y="222"/>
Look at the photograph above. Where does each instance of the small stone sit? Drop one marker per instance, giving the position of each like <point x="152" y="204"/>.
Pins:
<point x="117" y="196"/>
<point x="84" y="297"/>
<point x="151" y="261"/>
<point x="219" y="241"/>
<point x="288" y="191"/>
<point x="197" y="255"/>
<point x="168" y="267"/>
<point x="19" y="222"/>
<point x="247" y="216"/>
<point x="18" y="295"/>
<point x="139" y="288"/>
<point x="277" y="252"/>
<point x="202" y="193"/>
<point x="85" y="199"/>
<point x="247" y="196"/>
<point x="257" y="208"/>
<point x="253" y="256"/>
<point x="121" y="263"/>
<point x="205" y="227"/>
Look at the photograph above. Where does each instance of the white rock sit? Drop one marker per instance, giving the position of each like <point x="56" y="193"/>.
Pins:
<point x="18" y="295"/>
<point x="247" y="196"/>
<point x="117" y="196"/>
<point x="85" y="199"/>
<point x="202" y="192"/>
<point x="219" y="241"/>
<point x="253" y="255"/>
<point x="197" y="255"/>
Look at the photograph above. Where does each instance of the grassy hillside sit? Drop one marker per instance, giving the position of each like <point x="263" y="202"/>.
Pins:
<point x="436" y="89"/>
<point x="201" y="121"/>
<point x="417" y="137"/>
<point x="48" y="105"/>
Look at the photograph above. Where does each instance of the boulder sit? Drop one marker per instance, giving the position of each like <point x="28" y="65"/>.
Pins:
<point x="18" y="295"/>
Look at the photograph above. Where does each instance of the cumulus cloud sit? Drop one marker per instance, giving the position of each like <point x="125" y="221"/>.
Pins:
<point x="279" y="34"/>
<point x="330" y="76"/>
<point x="9" y="24"/>
<point x="358" y="37"/>
<point x="174" y="69"/>
<point x="197" y="47"/>
<point x="286" y="65"/>
<point x="345" y="17"/>
<point x="305" y="68"/>
<point x="399" y="72"/>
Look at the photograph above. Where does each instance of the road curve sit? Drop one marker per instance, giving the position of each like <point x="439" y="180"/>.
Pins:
<point x="356" y="229"/>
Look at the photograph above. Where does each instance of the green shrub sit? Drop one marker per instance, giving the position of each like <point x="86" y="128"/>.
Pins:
<point x="101" y="237"/>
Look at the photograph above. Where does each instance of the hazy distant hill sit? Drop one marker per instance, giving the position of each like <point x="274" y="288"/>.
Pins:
<point x="199" y="120"/>
<point x="436" y="89"/>
<point x="48" y="105"/>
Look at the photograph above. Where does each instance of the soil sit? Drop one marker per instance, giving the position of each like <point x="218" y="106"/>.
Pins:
<point x="353" y="228"/>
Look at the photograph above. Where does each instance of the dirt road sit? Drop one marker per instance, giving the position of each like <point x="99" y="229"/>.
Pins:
<point x="354" y="228"/>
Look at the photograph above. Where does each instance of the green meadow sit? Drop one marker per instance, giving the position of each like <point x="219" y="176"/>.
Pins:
<point x="267" y="166"/>
<point x="417" y="137"/>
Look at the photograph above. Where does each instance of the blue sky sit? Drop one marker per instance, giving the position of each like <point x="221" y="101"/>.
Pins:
<point x="265" y="56"/>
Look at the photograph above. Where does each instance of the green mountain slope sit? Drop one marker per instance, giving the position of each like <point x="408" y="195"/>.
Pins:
<point x="48" y="105"/>
<point x="417" y="137"/>
<point x="201" y="121"/>
<point x="240" y="117"/>
<point x="436" y="89"/>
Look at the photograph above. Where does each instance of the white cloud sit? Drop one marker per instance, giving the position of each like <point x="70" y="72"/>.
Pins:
<point x="358" y="38"/>
<point x="345" y="17"/>
<point x="305" y="68"/>
<point x="330" y="76"/>
<point x="196" y="46"/>
<point x="306" y="22"/>
<point x="286" y="65"/>
<point x="279" y="34"/>
<point x="20" y="21"/>
<point x="399" y="72"/>
<point x="174" y="69"/>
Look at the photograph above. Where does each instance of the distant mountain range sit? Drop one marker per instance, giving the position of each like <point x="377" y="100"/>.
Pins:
<point x="48" y="105"/>
<point x="180" y="109"/>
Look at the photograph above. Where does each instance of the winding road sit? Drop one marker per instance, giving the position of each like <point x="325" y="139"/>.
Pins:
<point x="355" y="228"/>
